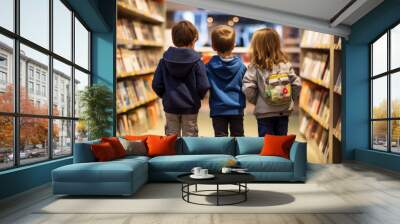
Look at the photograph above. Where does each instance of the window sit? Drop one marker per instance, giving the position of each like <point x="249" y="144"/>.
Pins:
<point x="7" y="73"/>
<point x="41" y="123"/>
<point x="385" y="96"/>
<point x="7" y="14"/>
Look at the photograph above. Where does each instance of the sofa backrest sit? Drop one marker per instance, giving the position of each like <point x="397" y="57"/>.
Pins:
<point x="206" y="145"/>
<point x="83" y="152"/>
<point x="249" y="145"/>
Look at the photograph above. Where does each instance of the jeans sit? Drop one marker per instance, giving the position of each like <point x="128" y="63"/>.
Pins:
<point x="273" y="125"/>
<point x="234" y="122"/>
<point x="181" y="125"/>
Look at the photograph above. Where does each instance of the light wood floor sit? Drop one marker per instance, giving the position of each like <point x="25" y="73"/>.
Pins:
<point x="379" y="190"/>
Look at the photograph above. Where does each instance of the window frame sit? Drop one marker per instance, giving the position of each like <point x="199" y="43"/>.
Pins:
<point x="388" y="74"/>
<point x="16" y="115"/>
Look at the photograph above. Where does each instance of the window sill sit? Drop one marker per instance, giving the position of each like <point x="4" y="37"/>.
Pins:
<point x="30" y="166"/>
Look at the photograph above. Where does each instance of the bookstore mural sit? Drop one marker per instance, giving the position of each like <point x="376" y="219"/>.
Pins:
<point x="144" y="33"/>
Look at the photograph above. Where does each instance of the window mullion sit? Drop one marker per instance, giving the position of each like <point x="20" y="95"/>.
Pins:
<point x="389" y="101"/>
<point x="73" y="82"/>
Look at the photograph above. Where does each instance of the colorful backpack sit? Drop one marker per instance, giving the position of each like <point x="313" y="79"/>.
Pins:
<point x="278" y="89"/>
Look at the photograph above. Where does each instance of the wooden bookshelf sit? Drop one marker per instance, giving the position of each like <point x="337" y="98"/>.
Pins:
<point x="140" y="42"/>
<point x="321" y="74"/>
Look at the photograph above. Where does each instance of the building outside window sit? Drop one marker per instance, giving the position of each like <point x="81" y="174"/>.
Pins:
<point x="385" y="94"/>
<point x="56" y="129"/>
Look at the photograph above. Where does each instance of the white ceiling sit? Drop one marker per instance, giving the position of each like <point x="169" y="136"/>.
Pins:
<point x="307" y="14"/>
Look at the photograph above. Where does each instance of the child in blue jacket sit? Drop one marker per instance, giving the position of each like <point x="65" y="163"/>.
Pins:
<point x="181" y="81"/>
<point x="225" y="73"/>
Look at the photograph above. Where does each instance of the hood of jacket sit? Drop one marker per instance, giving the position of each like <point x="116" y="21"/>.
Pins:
<point x="179" y="61"/>
<point x="225" y="69"/>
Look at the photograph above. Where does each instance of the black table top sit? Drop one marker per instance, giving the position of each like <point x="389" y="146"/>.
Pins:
<point x="220" y="178"/>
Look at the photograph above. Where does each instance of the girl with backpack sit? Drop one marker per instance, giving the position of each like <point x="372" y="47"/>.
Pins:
<point x="270" y="83"/>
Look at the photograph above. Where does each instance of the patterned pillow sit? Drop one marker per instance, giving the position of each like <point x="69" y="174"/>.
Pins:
<point x="137" y="148"/>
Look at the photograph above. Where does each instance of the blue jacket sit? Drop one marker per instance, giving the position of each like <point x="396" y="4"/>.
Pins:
<point x="225" y="77"/>
<point x="181" y="81"/>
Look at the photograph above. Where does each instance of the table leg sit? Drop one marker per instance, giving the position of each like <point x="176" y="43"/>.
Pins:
<point x="245" y="193"/>
<point x="196" y="187"/>
<point x="217" y="194"/>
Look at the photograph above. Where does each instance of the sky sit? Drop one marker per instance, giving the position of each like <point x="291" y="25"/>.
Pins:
<point x="35" y="27"/>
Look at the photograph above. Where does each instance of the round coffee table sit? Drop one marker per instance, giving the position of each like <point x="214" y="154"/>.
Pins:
<point x="238" y="179"/>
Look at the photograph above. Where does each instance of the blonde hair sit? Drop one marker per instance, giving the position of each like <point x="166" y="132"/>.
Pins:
<point x="223" y="38"/>
<point x="265" y="49"/>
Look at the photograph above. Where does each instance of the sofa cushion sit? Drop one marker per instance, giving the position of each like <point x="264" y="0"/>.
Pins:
<point x="116" y="145"/>
<point x="208" y="145"/>
<point x="257" y="163"/>
<point x="249" y="145"/>
<point x="112" y="171"/>
<point x="185" y="163"/>
<point x="83" y="153"/>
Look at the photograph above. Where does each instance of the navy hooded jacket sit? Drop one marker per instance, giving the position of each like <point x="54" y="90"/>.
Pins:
<point x="225" y="77"/>
<point x="181" y="81"/>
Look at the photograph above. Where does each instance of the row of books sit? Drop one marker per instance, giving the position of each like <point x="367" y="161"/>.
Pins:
<point x="338" y="84"/>
<point x="140" y="120"/>
<point x="314" y="132"/>
<point x="315" y="101"/>
<point x="128" y="30"/>
<point x="132" y="93"/>
<point x="149" y="7"/>
<point x="315" y="67"/>
<point x="315" y="39"/>
<point x="137" y="61"/>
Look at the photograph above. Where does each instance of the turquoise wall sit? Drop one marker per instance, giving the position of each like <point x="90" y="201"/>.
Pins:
<point x="99" y="16"/>
<point x="356" y="85"/>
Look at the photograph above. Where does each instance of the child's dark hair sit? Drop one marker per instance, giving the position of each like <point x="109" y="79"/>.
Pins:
<point x="223" y="38"/>
<point x="184" y="34"/>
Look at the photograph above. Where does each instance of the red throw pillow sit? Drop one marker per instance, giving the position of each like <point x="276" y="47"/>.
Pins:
<point x="103" y="151"/>
<point x="275" y="145"/>
<point x="161" y="145"/>
<point x="116" y="145"/>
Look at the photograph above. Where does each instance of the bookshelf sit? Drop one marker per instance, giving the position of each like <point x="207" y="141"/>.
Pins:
<point x="140" y="42"/>
<point x="320" y="99"/>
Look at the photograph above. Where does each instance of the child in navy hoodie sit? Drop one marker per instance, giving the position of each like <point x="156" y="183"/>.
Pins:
<point x="225" y="73"/>
<point x="181" y="81"/>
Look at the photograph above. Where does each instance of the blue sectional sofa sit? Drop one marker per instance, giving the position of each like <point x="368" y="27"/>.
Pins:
<point x="125" y="176"/>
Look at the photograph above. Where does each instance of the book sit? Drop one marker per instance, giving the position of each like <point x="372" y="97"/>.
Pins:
<point x="315" y="40"/>
<point x="131" y="62"/>
<point x="131" y="32"/>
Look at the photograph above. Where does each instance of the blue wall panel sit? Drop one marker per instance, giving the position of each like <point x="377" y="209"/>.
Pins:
<point x="99" y="16"/>
<point x="356" y="85"/>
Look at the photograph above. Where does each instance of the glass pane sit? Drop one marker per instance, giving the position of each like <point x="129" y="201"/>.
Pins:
<point x="33" y="139"/>
<point x="81" y="132"/>
<point x="62" y="89"/>
<point x="81" y="45"/>
<point x="395" y="136"/>
<point x="379" y="55"/>
<point x="34" y="80"/>
<point x="395" y="47"/>
<point x="6" y="74"/>
<point x="62" y="29"/>
<point x="62" y="138"/>
<point x="35" y="21"/>
<point x="395" y="94"/>
<point x="6" y="142"/>
<point x="379" y="97"/>
<point x="379" y="135"/>
<point x="7" y="14"/>
<point x="81" y="81"/>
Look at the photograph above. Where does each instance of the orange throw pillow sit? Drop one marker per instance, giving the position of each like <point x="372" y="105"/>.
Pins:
<point x="136" y="137"/>
<point x="275" y="145"/>
<point x="116" y="145"/>
<point x="161" y="145"/>
<point x="103" y="152"/>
